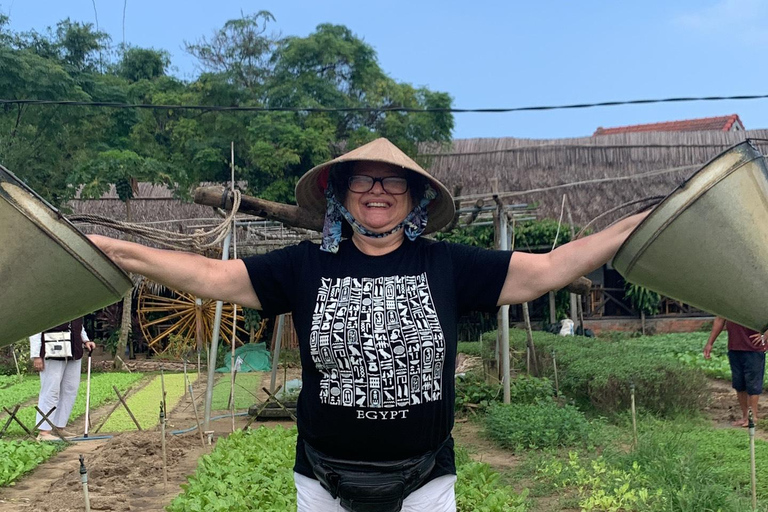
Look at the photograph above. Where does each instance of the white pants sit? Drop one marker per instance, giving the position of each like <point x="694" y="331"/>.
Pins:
<point x="436" y="496"/>
<point x="58" y="387"/>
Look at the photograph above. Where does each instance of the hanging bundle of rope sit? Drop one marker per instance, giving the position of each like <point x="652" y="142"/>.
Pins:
<point x="197" y="241"/>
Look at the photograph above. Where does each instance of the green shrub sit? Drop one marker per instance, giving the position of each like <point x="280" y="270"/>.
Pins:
<point x="530" y="390"/>
<point x="471" y="348"/>
<point x="474" y="394"/>
<point x="599" y="373"/>
<point x="545" y="425"/>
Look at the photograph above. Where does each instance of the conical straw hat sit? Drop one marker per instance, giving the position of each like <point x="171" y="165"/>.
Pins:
<point x="310" y="190"/>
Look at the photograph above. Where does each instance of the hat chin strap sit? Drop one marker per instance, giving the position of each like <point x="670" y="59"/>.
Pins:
<point x="414" y="223"/>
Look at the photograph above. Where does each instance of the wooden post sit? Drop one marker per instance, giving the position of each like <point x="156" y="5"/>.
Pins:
<point x="114" y="407"/>
<point x="277" y="340"/>
<point x="122" y="401"/>
<point x="552" y="307"/>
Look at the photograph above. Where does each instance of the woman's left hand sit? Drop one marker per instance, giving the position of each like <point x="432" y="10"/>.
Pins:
<point x="90" y="346"/>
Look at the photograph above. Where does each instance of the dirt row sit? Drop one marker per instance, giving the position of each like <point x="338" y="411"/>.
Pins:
<point x="125" y="471"/>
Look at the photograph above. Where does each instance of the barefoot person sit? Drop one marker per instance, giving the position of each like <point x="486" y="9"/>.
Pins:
<point x="57" y="354"/>
<point x="746" y="355"/>
<point x="375" y="307"/>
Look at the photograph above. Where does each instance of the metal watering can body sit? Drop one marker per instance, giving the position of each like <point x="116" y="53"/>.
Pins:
<point x="706" y="244"/>
<point x="50" y="272"/>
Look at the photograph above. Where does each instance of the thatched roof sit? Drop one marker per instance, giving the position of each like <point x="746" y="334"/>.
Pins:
<point x="652" y="163"/>
<point x="596" y="173"/>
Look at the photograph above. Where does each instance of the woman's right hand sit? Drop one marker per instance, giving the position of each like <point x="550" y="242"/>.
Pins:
<point x="38" y="363"/>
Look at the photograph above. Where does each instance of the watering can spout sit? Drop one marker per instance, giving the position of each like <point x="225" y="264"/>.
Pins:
<point x="706" y="244"/>
<point x="51" y="273"/>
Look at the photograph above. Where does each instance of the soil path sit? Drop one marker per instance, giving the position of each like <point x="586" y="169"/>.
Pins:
<point x="125" y="472"/>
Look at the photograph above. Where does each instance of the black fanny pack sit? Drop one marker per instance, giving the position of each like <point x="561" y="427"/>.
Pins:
<point x="371" y="486"/>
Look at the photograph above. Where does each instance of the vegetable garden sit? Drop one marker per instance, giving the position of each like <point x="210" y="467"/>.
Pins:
<point x="564" y="446"/>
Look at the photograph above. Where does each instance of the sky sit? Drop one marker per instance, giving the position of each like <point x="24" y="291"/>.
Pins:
<point x="495" y="54"/>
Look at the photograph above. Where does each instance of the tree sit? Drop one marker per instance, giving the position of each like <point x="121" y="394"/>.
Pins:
<point x="241" y="50"/>
<point x="143" y="64"/>
<point x="124" y="169"/>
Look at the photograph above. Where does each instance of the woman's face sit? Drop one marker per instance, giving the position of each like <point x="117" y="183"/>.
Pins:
<point x="377" y="209"/>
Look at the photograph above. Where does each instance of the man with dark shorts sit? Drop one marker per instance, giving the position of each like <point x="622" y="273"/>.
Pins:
<point x="746" y="355"/>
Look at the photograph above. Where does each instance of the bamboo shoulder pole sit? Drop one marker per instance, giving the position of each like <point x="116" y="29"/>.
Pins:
<point x="219" y="197"/>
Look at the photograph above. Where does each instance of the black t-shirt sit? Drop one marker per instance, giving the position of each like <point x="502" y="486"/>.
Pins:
<point x="377" y="337"/>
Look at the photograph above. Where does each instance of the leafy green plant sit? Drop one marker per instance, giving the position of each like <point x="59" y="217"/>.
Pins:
<point x="473" y="394"/>
<point x="598" y="374"/>
<point x="246" y="384"/>
<point x="101" y="393"/>
<point x="479" y="488"/>
<point x="19" y="457"/>
<point x="643" y="299"/>
<point x="248" y="470"/>
<point x="145" y="404"/>
<point x="520" y="427"/>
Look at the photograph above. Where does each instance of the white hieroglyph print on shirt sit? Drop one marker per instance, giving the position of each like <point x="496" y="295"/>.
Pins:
<point x="377" y="342"/>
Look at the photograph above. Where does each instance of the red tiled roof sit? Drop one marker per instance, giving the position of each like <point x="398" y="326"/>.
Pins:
<point x="722" y="123"/>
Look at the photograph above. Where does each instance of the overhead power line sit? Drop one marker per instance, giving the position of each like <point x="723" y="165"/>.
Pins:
<point x="410" y="110"/>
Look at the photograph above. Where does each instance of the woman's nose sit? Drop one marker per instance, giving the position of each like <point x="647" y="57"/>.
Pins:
<point x="377" y="188"/>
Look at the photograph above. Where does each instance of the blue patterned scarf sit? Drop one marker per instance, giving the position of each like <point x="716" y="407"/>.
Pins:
<point x="414" y="223"/>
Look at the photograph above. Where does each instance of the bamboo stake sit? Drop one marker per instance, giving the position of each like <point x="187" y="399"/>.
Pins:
<point x="114" y="407"/>
<point x="162" y="389"/>
<point x="122" y="401"/>
<point x="197" y="416"/>
<point x="554" y="364"/>
<point x="752" y="458"/>
<point x="232" y="369"/>
<point x="529" y="337"/>
<point x="634" y="413"/>
<point x="185" y="376"/>
<point x="162" y="442"/>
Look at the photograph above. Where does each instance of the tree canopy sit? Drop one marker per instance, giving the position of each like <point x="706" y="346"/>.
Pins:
<point x="57" y="149"/>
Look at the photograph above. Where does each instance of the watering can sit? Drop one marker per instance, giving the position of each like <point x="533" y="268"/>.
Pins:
<point x="706" y="244"/>
<point x="50" y="272"/>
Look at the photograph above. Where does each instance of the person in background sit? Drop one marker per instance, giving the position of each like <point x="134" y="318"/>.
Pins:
<point x="375" y="307"/>
<point x="746" y="355"/>
<point x="57" y="354"/>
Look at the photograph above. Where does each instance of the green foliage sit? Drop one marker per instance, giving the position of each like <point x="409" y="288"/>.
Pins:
<point x="604" y="487"/>
<point x="478" y="488"/>
<point x="246" y="385"/>
<point x="19" y="457"/>
<point x="101" y="393"/>
<point x="253" y="470"/>
<point x="470" y="348"/>
<point x="478" y="236"/>
<point x="539" y="235"/>
<point x="519" y="427"/>
<point x="145" y="404"/>
<point x="676" y="466"/>
<point x="20" y="392"/>
<point x="248" y="470"/>
<point x="643" y="299"/>
<point x="473" y="394"/>
<point x="57" y="149"/>
<point x="599" y="373"/>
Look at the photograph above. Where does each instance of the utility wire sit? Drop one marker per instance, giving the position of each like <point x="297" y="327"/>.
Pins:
<point x="237" y="108"/>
